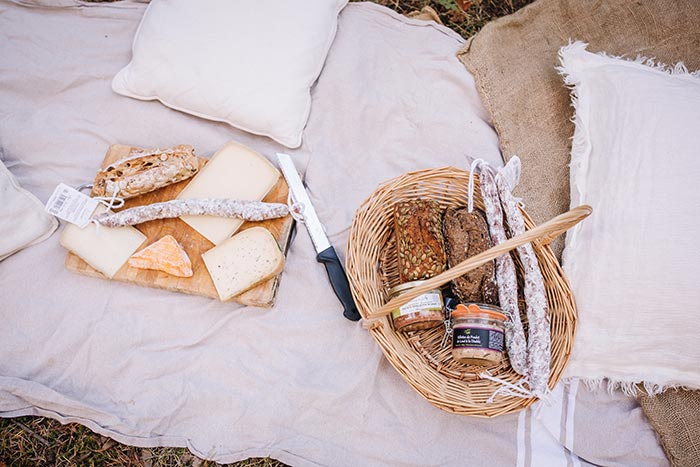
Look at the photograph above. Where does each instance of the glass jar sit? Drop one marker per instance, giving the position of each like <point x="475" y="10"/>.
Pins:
<point x="478" y="332"/>
<point x="423" y="312"/>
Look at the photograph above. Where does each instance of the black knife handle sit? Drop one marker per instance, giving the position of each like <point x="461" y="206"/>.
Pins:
<point x="339" y="281"/>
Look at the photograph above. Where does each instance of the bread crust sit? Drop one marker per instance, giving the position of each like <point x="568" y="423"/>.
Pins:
<point x="467" y="235"/>
<point x="144" y="171"/>
<point x="419" y="239"/>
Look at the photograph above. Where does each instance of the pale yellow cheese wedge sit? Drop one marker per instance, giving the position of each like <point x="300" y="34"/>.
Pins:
<point x="105" y="248"/>
<point x="243" y="261"/>
<point x="165" y="255"/>
<point x="234" y="172"/>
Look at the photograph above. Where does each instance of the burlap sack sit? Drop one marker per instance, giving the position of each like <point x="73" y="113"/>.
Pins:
<point x="513" y="60"/>
<point x="675" y="415"/>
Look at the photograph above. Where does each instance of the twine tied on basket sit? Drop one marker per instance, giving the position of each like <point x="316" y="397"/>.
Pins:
<point x="515" y="390"/>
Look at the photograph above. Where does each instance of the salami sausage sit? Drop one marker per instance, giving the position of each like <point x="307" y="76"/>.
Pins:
<point x="505" y="273"/>
<point x="538" y="346"/>
<point x="247" y="210"/>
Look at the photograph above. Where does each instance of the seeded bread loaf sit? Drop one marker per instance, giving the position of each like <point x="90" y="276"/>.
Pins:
<point x="419" y="239"/>
<point x="144" y="171"/>
<point x="467" y="235"/>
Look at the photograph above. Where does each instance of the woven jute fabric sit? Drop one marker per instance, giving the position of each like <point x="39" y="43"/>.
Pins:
<point x="675" y="415"/>
<point x="514" y="60"/>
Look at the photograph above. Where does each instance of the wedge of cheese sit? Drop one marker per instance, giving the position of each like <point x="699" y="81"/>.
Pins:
<point x="105" y="249"/>
<point x="243" y="261"/>
<point x="165" y="255"/>
<point x="234" y="172"/>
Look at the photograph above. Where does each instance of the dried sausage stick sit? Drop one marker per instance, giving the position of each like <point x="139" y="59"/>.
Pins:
<point x="505" y="274"/>
<point x="538" y="346"/>
<point x="247" y="210"/>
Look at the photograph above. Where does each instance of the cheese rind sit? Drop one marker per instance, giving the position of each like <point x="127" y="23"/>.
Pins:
<point x="234" y="172"/>
<point x="165" y="255"/>
<point x="105" y="249"/>
<point x="243" y="261"/>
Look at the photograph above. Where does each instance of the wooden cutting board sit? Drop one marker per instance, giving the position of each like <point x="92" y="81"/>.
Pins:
<point x="193" y="243"/>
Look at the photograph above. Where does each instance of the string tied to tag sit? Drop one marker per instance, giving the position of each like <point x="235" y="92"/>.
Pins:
<point x="113" y="201"/>
<point x="110" y="202"/>
<point x="476" y="165"/>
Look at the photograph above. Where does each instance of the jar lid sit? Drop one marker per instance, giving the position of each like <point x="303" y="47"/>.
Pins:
<point x="478" y="310"/>
<point x="404" y="287"/>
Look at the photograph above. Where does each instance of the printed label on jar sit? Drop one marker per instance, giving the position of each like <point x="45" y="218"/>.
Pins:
<point x="429" y="301"/>
<point x="470" y="338"/>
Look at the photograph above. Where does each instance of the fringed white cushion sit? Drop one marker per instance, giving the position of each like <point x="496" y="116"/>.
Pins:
<point x="634" y="265"/>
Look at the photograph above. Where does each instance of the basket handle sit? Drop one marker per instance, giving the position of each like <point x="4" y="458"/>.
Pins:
<point x="545" y="233"/>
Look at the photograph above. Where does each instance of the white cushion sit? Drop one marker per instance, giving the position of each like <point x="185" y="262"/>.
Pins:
<point x="249" y="63"/>
<point x="634" y="265"/>
<point x="23" y="221"/>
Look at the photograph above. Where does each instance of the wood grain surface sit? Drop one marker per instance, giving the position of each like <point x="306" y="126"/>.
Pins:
<point x="194" y="244"/>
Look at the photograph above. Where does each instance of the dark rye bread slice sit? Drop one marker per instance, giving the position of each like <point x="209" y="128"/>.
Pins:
<point x="467" y="235"/>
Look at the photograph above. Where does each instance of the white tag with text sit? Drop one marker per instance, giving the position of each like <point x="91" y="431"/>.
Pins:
<point x="70" y="205"/>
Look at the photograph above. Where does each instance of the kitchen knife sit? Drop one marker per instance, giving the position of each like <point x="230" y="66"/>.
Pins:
<point x="303" y="210"/>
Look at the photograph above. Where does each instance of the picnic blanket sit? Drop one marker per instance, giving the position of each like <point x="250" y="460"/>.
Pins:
<point x="296" y="382"/>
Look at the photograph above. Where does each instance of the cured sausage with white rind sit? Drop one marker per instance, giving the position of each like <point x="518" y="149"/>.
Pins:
<point x="505" y="273"/>
<point x="539" y="342"/>
<point x="252" y="211"/>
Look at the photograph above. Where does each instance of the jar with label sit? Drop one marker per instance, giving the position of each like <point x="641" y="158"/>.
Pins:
<point x="478" y="332"/>
<point x="423" y="312"/>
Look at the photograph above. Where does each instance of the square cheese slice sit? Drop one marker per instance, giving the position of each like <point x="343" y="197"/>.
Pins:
<point x="243" y="261"/>
<point x="105" y="248"/>
<point x="234" y="172"/>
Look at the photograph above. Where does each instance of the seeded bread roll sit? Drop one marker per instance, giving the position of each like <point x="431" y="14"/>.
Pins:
<point x="467" y="235"/>
<point x="144" y="171"/>
<point x="419" y="240"/>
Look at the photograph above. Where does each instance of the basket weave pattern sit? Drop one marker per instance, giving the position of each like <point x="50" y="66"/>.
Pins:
<point x="423" y="358"/>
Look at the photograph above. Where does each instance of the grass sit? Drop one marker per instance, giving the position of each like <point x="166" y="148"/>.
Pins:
<point x="38" y="441"/>
<point x="463" y="16"/>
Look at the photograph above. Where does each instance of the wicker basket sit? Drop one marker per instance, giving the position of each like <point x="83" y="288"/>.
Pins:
<point x="422" y="357"/>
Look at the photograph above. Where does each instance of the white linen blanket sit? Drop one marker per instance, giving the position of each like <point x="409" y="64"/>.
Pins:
<point x="297" y="382"/>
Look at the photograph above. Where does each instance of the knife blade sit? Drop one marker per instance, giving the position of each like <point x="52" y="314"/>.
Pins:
<point x="304" y="211"/>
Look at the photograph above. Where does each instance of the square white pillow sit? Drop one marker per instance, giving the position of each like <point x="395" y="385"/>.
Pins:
<point x="634" y="265"/>
<point x="249" y="63"/>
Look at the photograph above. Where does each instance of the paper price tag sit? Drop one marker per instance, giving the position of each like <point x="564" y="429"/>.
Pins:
<point x="70" y="205"/>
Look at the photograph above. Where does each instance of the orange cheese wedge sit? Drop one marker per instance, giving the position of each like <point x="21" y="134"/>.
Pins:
<point x="165" y="255"/>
